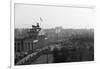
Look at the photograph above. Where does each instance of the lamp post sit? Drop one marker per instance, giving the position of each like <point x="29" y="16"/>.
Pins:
<point x="47" y="49"/>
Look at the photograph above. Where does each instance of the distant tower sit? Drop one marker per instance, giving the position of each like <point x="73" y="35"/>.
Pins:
<point x="58" y="29"/>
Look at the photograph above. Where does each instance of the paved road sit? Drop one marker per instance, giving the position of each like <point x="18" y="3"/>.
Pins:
<point x="38" y="54"/>
<point x="44" y="59"/>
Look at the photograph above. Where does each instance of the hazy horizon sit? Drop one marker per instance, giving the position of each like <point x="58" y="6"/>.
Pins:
<point x="51" y="17"/>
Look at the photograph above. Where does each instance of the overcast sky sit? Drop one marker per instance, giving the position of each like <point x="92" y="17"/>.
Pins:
<point x="67" y="17"/>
